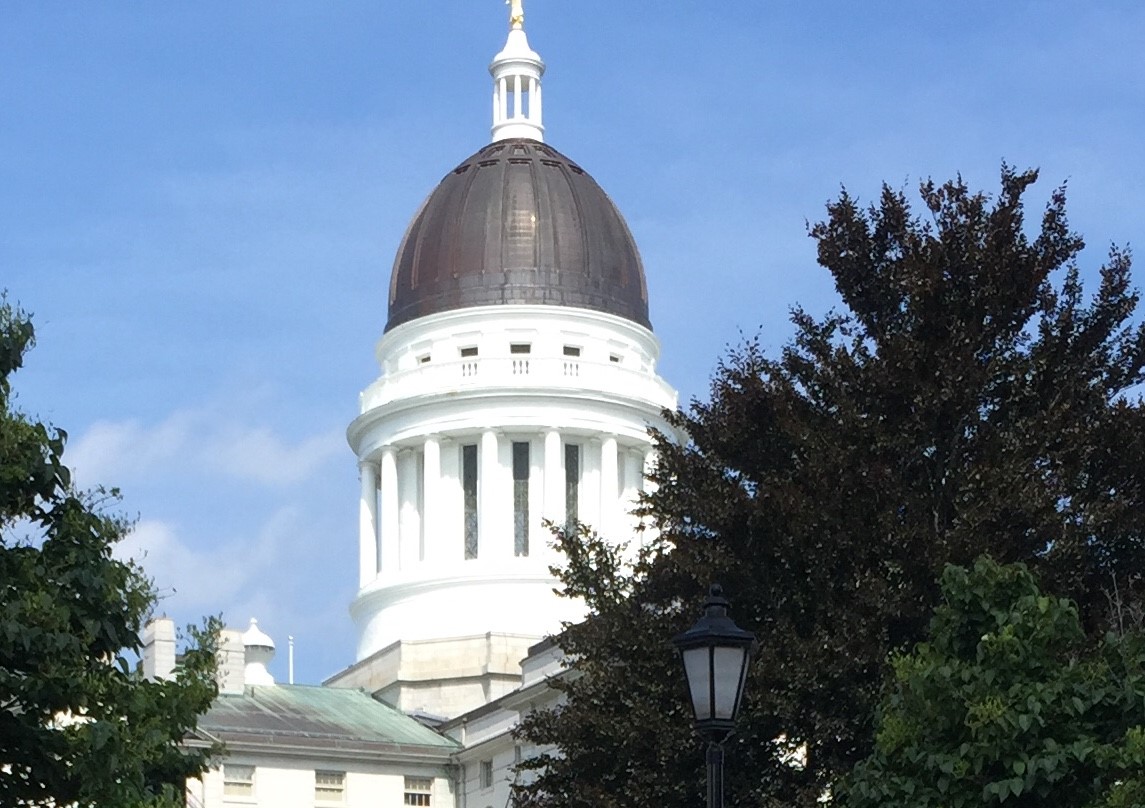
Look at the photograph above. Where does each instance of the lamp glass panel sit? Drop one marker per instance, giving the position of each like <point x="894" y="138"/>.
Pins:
<point x="728" y="663"/>
<point x="698" y="671"/>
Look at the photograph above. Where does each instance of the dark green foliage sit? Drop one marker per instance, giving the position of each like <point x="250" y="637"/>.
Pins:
<point x="1006" y="703"/>
<point x="619" y="692"/>
<point x="970" y="399"/>
<point x="78" y="726"/>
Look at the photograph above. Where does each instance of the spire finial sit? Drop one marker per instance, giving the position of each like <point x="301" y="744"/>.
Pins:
<point x="516" y="14"/>
<point x="517" y="72"/>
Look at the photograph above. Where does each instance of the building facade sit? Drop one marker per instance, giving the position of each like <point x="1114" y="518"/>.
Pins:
<point x="304" y="746"/>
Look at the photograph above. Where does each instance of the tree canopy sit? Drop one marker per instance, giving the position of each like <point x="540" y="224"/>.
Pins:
<point x="969" y="397"/>
<point x="1006" y="702"/>
<point x="79" y="725"/>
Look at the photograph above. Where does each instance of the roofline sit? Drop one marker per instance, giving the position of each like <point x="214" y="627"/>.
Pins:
<point x="342" y="748"/>
<point x="510" y="701"/>
<point x="366" y="661"/>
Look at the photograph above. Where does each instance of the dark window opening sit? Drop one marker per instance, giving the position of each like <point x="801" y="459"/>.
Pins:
<point x="572" y="483"/>
<point x="469" y="489"/>
<point x="520" y="498"/>
<point x="468" y="352"/>
<point x="520" y="348"/>
<point x="572" y="350"/>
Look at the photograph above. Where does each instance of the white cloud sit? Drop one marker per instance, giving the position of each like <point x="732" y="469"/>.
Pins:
<point x="196" y="577"/>
<point x="123" y="450"/>
<point x="228" y="527"/>
<point x="189" y="581"/>
<point x="269" y="574"/>
<point x="110" y="450"/>
<point x="257" y="454"/>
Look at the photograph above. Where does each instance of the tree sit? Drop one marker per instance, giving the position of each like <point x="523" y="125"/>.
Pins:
<point x="79" y="725"/>
<point x="1007" y="703"/>
<point x="969" y="398"/>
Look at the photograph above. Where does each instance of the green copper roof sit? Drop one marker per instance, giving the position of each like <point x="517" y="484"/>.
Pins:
<point x="312" y="715"/>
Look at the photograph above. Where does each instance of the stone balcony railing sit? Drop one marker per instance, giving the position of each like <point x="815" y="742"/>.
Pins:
<point x="558" y="373"/>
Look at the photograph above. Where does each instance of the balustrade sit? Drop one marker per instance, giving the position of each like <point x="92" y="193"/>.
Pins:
<point x="437" y="377"/>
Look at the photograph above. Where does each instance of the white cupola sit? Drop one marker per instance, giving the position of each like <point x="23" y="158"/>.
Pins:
<point x="258" y="651"/>
<point x="517" y="72"/>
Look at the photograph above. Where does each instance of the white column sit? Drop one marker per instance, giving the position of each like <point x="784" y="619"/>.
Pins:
<point x="517" y="95"/>
<point x="633" y="476"/>
<point x="590" y="484"/>
<point x="649" y="464"/>
<point x="448" y="547"/>
<point x="503" y="535"/>
<point x="538" y="536"/>
<point x="504" y="103"/>
<point x="630" y="490"/>
<point x="432" y="509"/>
<point x="535" y="102"/>
<point x="389" y="507"/>
<point x="554" y="507"/>
<point x="489" y="505"/>
<point x="410" y="518"/>
<point x="609" y="488"/>
<point x="496" y="107"/>
<point x="368" y="523"/>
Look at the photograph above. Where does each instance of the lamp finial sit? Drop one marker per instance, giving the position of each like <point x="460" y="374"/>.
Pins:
<point x="517" y="71"/>
<point x="516" y="14"/>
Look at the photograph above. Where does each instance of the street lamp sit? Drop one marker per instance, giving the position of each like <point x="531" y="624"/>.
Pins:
<point x="715" y="652"/>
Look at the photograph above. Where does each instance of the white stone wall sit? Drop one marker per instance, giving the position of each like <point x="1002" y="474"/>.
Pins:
<point x="445" y="677"/>
<point x="487" y="740"/>
<point x="281" y="782"/>
<point x="488" y="744"/>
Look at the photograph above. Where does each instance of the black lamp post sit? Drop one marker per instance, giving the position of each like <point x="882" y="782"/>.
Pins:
<point x="715" y="652"/>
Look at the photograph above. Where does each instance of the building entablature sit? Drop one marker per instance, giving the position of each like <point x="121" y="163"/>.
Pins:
<point x="409" y="424"/>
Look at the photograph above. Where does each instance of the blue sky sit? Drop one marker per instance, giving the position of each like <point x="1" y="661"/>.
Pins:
<point x="200" y="204"/>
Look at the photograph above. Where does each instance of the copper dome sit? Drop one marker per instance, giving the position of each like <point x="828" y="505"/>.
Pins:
<point x="518" y="222"/>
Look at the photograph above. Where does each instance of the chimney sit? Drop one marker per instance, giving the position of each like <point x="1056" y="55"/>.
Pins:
<point x="231" y="661"/>
<point x="159" y="649"/>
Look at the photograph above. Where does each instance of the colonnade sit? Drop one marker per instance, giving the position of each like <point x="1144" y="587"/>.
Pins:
<point x="526" y="99"/>
<point x="412" y="508"/>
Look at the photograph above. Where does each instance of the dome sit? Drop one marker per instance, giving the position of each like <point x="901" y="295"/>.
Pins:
<point x="517" y="223"/>
<point x="255" y="637"/>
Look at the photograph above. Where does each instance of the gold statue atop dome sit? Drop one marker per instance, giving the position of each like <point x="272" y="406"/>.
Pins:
<point x="516" y="13"/>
